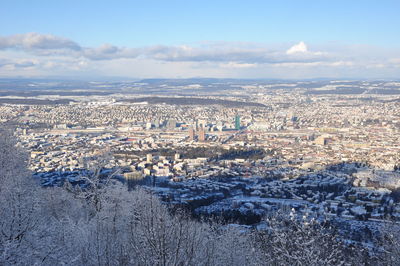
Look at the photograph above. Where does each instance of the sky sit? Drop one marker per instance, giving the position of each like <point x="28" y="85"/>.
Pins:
<point x="181" y="39"/>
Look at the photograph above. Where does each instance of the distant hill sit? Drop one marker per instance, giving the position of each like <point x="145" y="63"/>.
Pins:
<point x="193" y="101"/>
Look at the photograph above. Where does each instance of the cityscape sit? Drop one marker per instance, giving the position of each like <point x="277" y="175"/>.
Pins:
<point x="329" y="150"/>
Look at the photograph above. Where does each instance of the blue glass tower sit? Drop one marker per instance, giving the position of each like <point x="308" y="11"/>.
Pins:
<point x="237" y="122"/>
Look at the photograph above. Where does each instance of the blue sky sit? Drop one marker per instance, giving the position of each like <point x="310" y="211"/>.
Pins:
<point x="340" y="38"/>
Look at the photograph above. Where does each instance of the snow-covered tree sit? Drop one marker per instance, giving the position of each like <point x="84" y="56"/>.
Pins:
<point x="96" y="178"/>
<point x="389" y="243"/>
<point x="293" y="240"/>
<point x="19" y="203"/>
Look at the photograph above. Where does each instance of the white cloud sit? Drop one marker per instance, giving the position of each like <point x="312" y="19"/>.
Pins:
<point x="238" y="65"/>
<point x="50" y="45"/>
<point x="36" y="41"/>
<point x="44" y="54"/>
<point x="109" y="52"/>
<point x="395" y="62"/>
<point x="301" y="47"/>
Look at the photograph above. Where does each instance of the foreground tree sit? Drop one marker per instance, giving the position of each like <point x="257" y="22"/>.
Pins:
<point x="293" y="240"/>
<point x="19" y="203"/>
<point x="388" y="248"/>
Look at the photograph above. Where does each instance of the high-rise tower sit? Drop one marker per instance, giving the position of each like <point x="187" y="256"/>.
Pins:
<point x="237" y="122"/>
<point x="191" y="134"/>
<point x="202" y="134"/>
